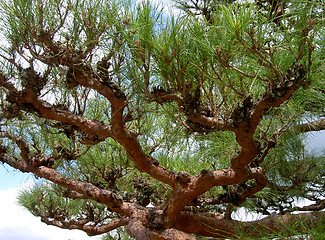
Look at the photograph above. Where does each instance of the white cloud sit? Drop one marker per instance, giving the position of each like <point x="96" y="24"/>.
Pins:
<point x="242" y="214"/>
<point x="168" y="6"/>
<point x="16" y="223"/>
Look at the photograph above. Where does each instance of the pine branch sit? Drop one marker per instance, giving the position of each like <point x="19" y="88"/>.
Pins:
<point x="311" y="126"/>
<point x="91" y="230"/>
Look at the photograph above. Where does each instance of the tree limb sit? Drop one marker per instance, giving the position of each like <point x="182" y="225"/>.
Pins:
<point x="206" y="180"/>
<point x="106" y="197"/>
<point x="90" y="229"/>
<point x="138" y="228"/>
<point x="318" y="206"/>
<point x="207" y="225"/>
<point x="96" y="131"/>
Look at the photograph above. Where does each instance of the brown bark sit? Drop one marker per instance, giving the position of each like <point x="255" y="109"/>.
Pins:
<point x="210" y="226"/>
<point x="140" y="228"/>
<point x="244" y="123"/>
<point x="97" y="131"/>
<point x="91" y="230"/>
<point x="205" y="181"/>
<point x="185" y="186"/>
<point x="110" y="199"/>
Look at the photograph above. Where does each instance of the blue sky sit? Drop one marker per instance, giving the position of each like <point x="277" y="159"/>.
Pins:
<point x="316" y="141"/>
<point x="16" y="223"/>
<point x="11" y="178"/>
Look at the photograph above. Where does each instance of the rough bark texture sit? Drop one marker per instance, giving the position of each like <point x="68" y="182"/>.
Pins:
<point x="172" y="219"/>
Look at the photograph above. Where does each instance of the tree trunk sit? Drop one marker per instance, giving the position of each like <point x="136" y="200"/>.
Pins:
<point x="217" y="227"/>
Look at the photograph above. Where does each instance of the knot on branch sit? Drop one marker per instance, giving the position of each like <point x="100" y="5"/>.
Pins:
<point x="296" y="74"/>
<point x="3" y="149"/>
<point x="183" y="177"/>
<point x="17" y="103"/>
<point x="199" y="127"/>
<point x="38" y="161"/>
<point x="205" y="172"/>
<point x="31" y="80"/>
<point x="110" y="176"/>
<point x="71" y="81"/>
<point x="156" y="219"/>
<point x="243" y="111"/>
<point x="118" y="93"/>
<point x="154" y="161"/>
<point x="102" y="69"/>
<point x="145" y="190"/>
<point x="12" y="110"/>
<point x="91" y="139"/>
<point x="159" y="94"/>
<point x="117" y="200"/>
<point x="295" y="77"/>
<point x="232" y="195"/>
<point x="193" y="106"/>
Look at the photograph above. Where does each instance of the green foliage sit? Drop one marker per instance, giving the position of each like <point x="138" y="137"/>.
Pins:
<point x="214" y="62"/>
<point x="44" y="200"/>
<point x="238" y="19"/>
<point x="300" y="230"/>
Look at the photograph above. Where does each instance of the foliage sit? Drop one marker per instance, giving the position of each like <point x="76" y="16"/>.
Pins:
<point x="117" y="100"/>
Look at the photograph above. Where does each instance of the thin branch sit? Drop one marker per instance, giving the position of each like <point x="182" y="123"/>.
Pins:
<point x="22" y="145"/>
<point x="91" y="230"/>
<point x="255" y="76"/>
<point x="311" y="126"/>
<point x="106" y="197"/>
<point x="318" y="206"/>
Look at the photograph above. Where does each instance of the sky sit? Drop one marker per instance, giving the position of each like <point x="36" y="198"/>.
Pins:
<point x="316" y="141"/>
<point x="16" y="223"/>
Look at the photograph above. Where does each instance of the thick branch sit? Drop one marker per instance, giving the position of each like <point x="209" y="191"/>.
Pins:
<point x="205" y="181"/>
<point x="194" y="113"/>
<point x="249" y="116"/>
<point x="128" y="140"/>
<point x="210" y="226"/>
<point x="22" y="145"/>
<point x="261" y="181"/>
<point x="138" y="228"/>
<point x="97" y="131"/>
<point x="318" y="206"/>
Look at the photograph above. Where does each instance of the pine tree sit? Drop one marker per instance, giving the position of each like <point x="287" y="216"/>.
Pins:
<point x="159" y="126"/>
